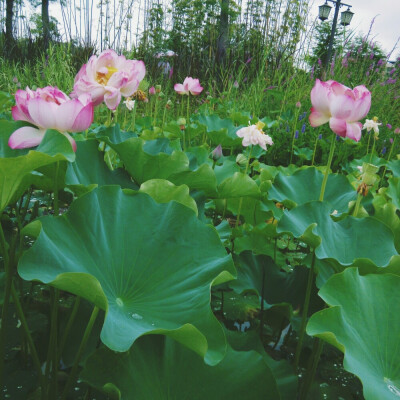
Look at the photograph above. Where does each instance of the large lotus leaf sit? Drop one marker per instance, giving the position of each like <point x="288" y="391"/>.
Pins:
<point x="283" y="372"/>
<point x="345" y="240"/>
<point x="379" y="162"/>
<point x="226" y="170"/>
<point x="363" y="321"/>
<point x="163" y="191"/>
<point x="6" y="129"/>
<point x="305" y="185"/>
<point x="387" y="213"/>
<point x="111" y="134"/>
<point x="239" y="185"/>
<point x="89" y="170"/>
<point x="146" y="161"/>
<point x="15" y="171"/>
<point x="202" y="179"/>
<point x="394" y="166"/>
<point x="393" y="191"/>
<point x="221" y="131"/>
<point x="148" y="265"/>
<point x="279" y="286"/>
<point x="159" y="368"/>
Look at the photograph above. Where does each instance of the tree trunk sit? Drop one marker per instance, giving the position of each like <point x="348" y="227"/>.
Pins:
<point x="9" y="27"/>
<point x="222" y="42"/>
<point x="46" y="23"/>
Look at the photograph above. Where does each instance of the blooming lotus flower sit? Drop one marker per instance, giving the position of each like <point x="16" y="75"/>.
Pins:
<point x="49" y="108"/>
<point x="108" y="77"/>
<point x="340" y="106"/>
<point x="189" y="85"/>
<point x="254" y="135"/>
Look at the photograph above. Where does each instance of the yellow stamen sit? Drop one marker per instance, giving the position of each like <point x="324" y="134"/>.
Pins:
<point x="260" y="125"/>
<point x="375" y="119"/>
<point x="104" y="78"/>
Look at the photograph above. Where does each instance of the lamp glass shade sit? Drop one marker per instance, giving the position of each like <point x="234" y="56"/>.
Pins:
<point x="324" y="11"/>
<point x="346" y="17"/>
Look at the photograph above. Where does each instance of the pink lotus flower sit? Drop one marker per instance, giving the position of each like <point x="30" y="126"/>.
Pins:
<point x="49" y="108"/>
<point x="189" y="85"/>
<point x="108" y="77"/>
<point x="340" y="106"/>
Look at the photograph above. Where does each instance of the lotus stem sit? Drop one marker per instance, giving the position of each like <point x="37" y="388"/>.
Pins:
<point x="82" y="346"/>
<point x="304" y="313"/>
<point x="357" y="207"/>
<point x="187" y="119"/>
<point x="68" y="327"/>
<point x="315" y="356"/>
<point x="6" y="301"/>
<point x="389" y="156"/>
<point x="372" y="150"/>
<point x="241" y="199"/>
<point x="315" y="150"/>
<point x="56" y="205"/>
<point x="29" y="339"/>
<point x="328" y="167"/>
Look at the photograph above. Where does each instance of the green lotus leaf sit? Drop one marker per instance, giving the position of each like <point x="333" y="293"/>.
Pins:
<point x="89" y="170"/>
<point x="221" y="131"/>
<point x="394" y="166"/>
<point x="6" y="129"/>
<point x="159" y="368"/>
<point x="283" y="372"/>
<point x="363" y="321"/>
<point x="111" y="134"/>
<point x="148" y="265"/>
<point x="393" y="191"/>
<point x="16" y="170"/>
<point x="226" y="170"/>
<point x="163" y="191"/>
<point x="345" y="240"/>
<point x="305" y="185"/>
<point x="387" y="213"/>
<point x="256" y="271"/>
<point x="150" y="160"/>
<point x="238" y="185"/>
<point x="202" y="179"/>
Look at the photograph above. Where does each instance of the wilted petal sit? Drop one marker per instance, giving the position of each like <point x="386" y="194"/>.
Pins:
<point x="26" y="136"/>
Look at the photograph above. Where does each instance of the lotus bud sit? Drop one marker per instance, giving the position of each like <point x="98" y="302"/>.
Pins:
<point x="152" y="91"/>
<point x="181" y="122"/>
<point x="217" y="153"/>
<point x="158" y="88"/>
<point x="241" y="159"/>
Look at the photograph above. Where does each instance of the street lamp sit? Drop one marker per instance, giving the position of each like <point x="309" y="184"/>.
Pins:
<point x="345" y="18"/>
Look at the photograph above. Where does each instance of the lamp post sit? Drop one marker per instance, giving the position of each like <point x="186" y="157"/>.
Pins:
<point x="346" y="17"/>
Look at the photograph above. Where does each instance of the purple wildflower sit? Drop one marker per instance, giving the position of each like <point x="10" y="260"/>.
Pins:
<point x="320" y="137"/>
<point x="303" y="128"/>
<point x="388" y="126"/>
<point x="383" y="150"/>
<point x="296" y="135"/>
